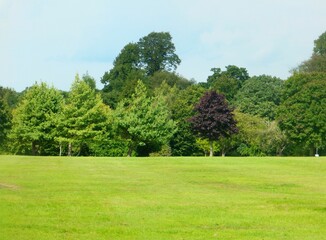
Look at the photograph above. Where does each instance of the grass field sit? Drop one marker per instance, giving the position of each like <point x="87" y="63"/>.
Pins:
<point x="162" y="198"/>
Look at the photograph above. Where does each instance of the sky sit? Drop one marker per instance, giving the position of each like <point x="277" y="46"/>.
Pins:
<point x="53" y="40"/>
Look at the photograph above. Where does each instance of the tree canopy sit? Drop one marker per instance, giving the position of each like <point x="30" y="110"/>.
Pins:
<point x="302" y="112"/>
<point x="260" y="95"/>
<point x="213" y="119"/>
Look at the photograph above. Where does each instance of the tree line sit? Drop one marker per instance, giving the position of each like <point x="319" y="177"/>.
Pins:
<point x="147" y="109"/>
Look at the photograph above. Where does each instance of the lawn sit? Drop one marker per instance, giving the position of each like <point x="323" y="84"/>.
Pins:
<point x="162" y="198"/>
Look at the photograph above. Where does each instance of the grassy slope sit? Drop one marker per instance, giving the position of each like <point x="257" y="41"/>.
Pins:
<point x="162" y="198"/>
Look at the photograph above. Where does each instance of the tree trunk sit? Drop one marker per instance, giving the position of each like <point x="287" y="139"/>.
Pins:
<point x="223" y="153"/>
<point x="130" y="151"/>
<point x="34" y="148"/>
<point x="69" y="149"/>
<point x="211" y="148"/>
<point x="60" y="146"/>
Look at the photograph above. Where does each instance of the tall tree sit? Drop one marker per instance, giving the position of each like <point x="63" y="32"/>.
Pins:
<point x="302" y="114"/>
<point x="157" y="53"/>
<point x="260" y="96"/>
<point x="143" y="120"/>
<point x="32" y="120"/>
<point x="214" y="119"/>
<point x="83" y="119"/>
<point x="121" y="80"/>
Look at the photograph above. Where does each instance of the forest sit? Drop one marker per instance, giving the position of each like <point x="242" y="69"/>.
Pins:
<point x="147" y="109"/>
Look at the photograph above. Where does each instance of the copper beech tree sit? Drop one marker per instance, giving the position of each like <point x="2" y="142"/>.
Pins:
<point x="213" y="119"/>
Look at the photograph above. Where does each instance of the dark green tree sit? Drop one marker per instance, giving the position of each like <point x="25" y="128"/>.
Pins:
<point x="121" y="80"/>
<point x="213" y="119"/>
<point x="157" y="53"/>
<point x="260" y="96"/>
<point x="302" y="113"/>
<point x="227" y="82"/>
<point x="184" y="141"/>
<point x="5" y="122"/>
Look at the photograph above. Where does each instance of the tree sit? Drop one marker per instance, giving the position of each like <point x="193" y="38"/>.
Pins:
<point x="121" y="80"/>
<point x="157" y="53"/>
<point x="184" y="142"/>
<point x="138" y="61"/>
<point x="214" y="119"/>
<point x="302" y="113"/>
<point x="5" y="122"/>
<point x="320" y="45"/>
<point x="143" y="120"/>
<point x="317" y="62"/>
<point x="32" y="121"/>
<point x="83" y="120"/>
<point x="260" y="96"/>
<point x="258" y="136"/>
<point x="227" y="82"/>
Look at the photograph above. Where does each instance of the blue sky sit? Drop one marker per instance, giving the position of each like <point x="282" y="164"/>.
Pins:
<point x="52" y="40"/>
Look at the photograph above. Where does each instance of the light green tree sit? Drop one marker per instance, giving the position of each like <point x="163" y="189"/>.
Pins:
<point x="142" y="120"/>
<point x="83" y="120"/>
<point x="32" y="121"/>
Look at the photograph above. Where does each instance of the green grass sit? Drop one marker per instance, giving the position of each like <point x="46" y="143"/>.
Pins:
<point x="162" y="198"/>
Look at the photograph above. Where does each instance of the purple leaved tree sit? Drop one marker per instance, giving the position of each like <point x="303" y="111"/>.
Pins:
<point x="213" y="119"/>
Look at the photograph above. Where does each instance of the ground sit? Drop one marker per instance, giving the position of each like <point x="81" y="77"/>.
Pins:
<point x="162" y="198"/>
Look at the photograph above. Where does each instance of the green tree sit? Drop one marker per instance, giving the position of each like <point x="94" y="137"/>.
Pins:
<point x="157" y="53"/>
<point x="5" y="122"/>
<point x="121" y="80"/>
<point x="320" y="45"/>
<point x="317" y="62"/>
<point x="260" y="96"/>
<point x="227" y="82"/>
<point x="184" y="141"/>
<point x="84" y="119"/>
<point x="172" y="79"/>
<point x="258" y="136"/>
<point x="32" y="121"/>
<point x="143" y="120"/>
<point x="302" y="114"/>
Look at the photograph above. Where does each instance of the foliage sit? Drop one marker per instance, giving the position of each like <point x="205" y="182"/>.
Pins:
<point x="137" y="61"/>
<point x="227" y="82"/>
<point x="83" y="119"/>
<point x="183" y="142"/>
<point x="260" y="96"/>
<point x="157" y="53"/>
<point x="302" y="113"/>
<point x="213" y="119"/>
<point x="258" y="136"/>
<point x="317" y="62"/>
<point x="320" y="45"/>
<point x="5" y="122"/>
<point x="32" y="121"/>
<point x="172" y="79"/>
<point x="143" y="120"/>
<point x="120" y="80"/>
